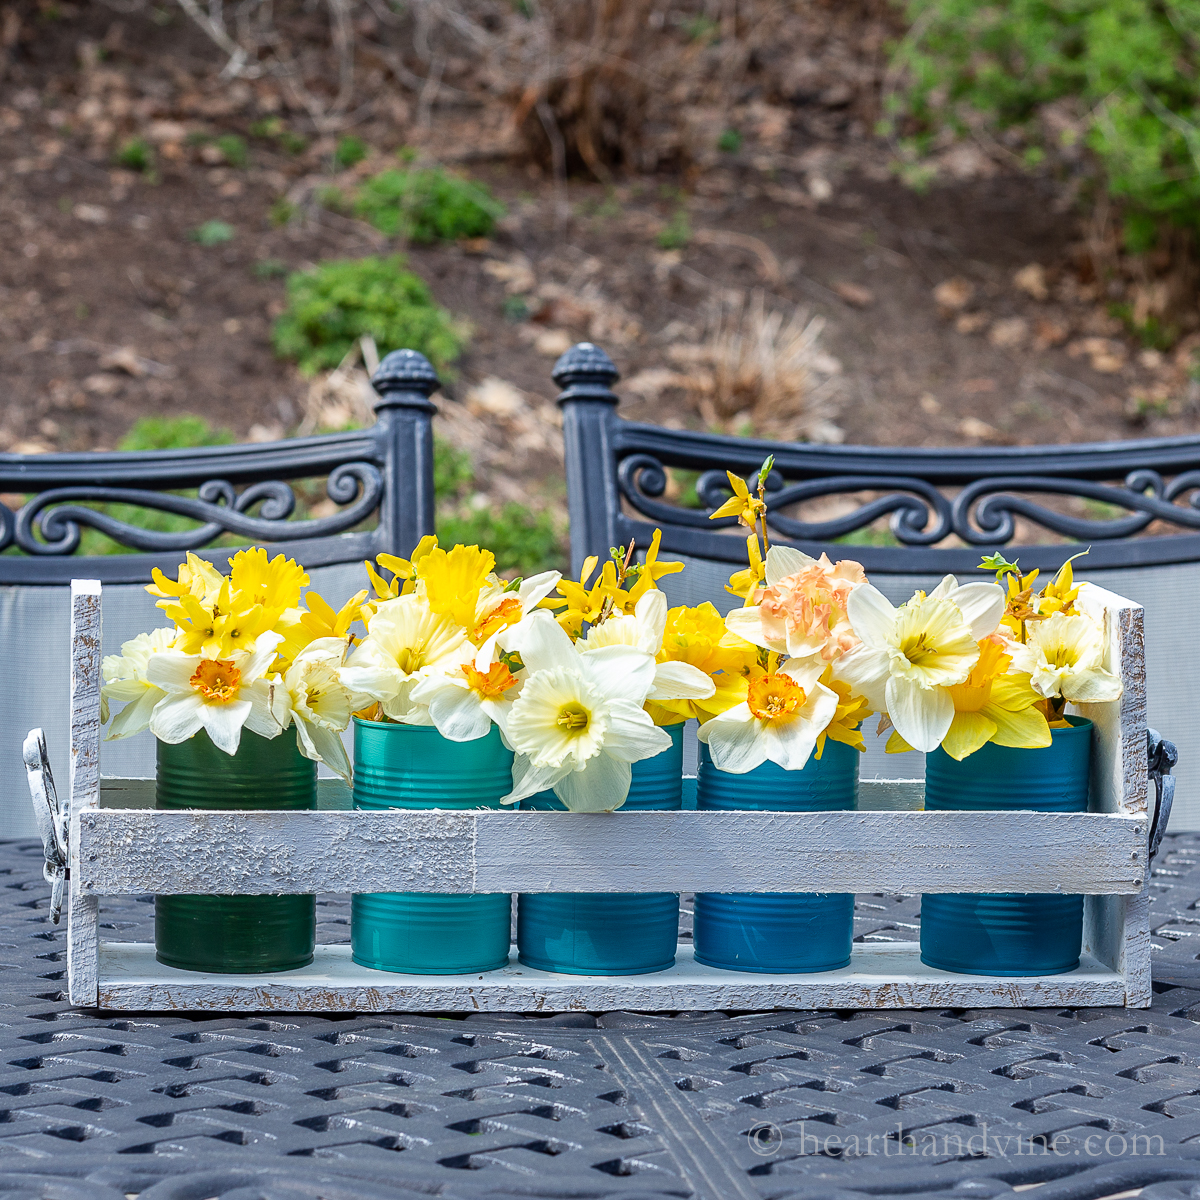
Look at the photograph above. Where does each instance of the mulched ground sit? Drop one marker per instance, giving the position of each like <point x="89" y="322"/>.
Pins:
<point x="958" y="316"/>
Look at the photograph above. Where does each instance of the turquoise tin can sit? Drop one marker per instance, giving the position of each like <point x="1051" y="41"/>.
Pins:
<point x="777" y="932"/>
<point x="608" y="933"/>
<point x="1007" y="933"/>
<point x="235" y="935"/>
<point x="418" y="933"/>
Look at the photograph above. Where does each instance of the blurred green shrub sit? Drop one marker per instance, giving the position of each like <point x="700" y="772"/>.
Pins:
<point x="336" y="303"/>
<point x="1132" y="67"/>
<point x="350" y="150"/>
<point x="427" y="205"/>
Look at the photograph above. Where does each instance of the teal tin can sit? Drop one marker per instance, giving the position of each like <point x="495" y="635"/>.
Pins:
<point x="419" y="933"/>
<point x="608" y="933"/>
<point x="235" y="935"/>
<point x="1007" y="933"/>
<point x="777" y="932"/>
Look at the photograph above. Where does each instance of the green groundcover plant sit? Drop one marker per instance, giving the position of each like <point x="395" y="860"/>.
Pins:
<point x="333" y="305"/>
<point x="427" y="205"/>
<point x="1131" y="67"/>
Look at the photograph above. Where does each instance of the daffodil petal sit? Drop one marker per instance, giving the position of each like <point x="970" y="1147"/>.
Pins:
<point x="1026" y="729"/>
<point x="632" y="735"/>
<point x="865" y="670"/>
<point x="783" y="561"/>
<point x="968" y="731"/>
<point x="747" y="624"/>
<point x="176" y="718"/>
<point x="620" y="672"/>
<point x="528" y="780"/>
<point x="921" y="715"/>
<point x="681" y="681"/>
<point x="223" y="723"/>
<point x="872" y="616"/>
<point x="601" y="786"/>
<point x="544" y="646"/>
<point x="733" y="741"/>
<point x="982" y="606"/>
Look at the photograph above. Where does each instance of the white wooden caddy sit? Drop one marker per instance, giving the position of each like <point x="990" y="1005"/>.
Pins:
<point x="119" y="845"/>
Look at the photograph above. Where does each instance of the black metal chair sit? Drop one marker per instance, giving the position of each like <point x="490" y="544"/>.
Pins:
<point x="946" y="508"/>
<point x="384" y="472"/>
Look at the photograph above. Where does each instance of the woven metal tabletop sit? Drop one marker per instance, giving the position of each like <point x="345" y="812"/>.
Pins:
<point x="816" y="1105"/>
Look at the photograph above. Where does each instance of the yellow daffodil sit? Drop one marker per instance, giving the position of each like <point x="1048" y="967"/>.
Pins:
<point x="223" y="628"/>
<point x="274" y="584"/>
<point x="451" y="581"/>
<point x="649" y="573"/>
<point x="743" y="503"/>
<point x="991" y="705"/>
<point x="1060" y="594"/>
<point x="745" y="583"/>
<point x="849" y="715"/>
<point x="196" y="578"/>
<point x="697" y="636"/>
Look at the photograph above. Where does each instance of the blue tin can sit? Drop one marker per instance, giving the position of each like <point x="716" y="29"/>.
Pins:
<point x="608" y="933"/>
<point x="1007" y="933"/>
<point x="417" y="933"/>
<point x="777" y="932"/>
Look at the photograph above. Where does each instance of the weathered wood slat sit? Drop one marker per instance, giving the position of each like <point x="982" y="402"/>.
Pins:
<point x="883" y="975"/>
<point x="128" y="852"/>
<point x="83" y="913"/>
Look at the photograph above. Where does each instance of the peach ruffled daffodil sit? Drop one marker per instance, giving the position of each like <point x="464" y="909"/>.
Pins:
<point x="579" y="724"/>
<point x="784" y="713"/>
<point x="801" y="612"/>
<point x="912" y="655"/>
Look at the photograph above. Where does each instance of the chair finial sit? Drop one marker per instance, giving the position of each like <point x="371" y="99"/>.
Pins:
<point x="405" y="379"/>
<point x="585" y="372"/>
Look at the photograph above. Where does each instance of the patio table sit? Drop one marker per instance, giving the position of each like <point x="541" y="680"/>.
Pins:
<point x="717" y="1106"/>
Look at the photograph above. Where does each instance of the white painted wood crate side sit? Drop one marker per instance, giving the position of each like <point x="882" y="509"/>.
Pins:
<point x="1117" y="928"/>
<point x="83" y="910"/>
<point x="129" y="852"/>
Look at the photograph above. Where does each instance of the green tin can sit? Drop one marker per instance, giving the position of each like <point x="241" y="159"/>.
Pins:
<point x="417" y="933"/>
<point x="235" y="935"/>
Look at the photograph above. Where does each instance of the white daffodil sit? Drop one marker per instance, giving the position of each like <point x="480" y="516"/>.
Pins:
<point x="125" y="680"/>
<point x="219" y="695"/>
<point x="1064" y="656"/>
<point x="501" y="605"/>
<point x="405" y="643"/>
<point x="780" y="720"/>
<point x="465" y="703"/>
<point x="643" y="629"/>
<point x="313" y="697"/>
<point x="579" y="723"/>
<point x="911" y="655"/>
